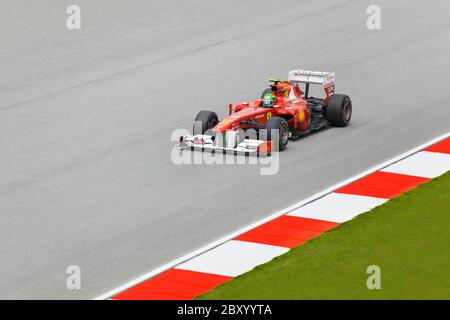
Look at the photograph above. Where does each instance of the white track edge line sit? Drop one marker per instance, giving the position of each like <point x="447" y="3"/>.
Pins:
<point x="233" y="235"/>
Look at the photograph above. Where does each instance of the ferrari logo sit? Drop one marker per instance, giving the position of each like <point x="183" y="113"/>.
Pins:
<point x="301" y="115"/>
<point x="269" y="115"/>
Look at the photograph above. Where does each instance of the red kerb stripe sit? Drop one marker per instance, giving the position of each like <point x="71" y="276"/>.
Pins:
<point x="383" y="185"/>
<point x="287" y="231"/>
<point x="174" y="284"/>
<point x="443" y="147"/>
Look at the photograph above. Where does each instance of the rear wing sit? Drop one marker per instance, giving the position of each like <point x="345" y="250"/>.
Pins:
<point x="326" y="79"/>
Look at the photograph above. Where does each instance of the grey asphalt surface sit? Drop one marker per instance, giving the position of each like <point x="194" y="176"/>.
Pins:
<point x="86" y="176"/>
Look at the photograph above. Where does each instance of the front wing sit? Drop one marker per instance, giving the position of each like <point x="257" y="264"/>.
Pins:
<point x="209" y="143"/>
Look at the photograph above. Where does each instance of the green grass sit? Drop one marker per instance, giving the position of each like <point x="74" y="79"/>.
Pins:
<point x="408" y="238"/>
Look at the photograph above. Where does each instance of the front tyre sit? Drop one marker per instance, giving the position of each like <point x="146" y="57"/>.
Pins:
<point x="339" y="110"/>
<point x="282" y="127"/>
<point x="207" y="120"/>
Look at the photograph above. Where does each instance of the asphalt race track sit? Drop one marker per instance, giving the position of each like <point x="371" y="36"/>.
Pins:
<point x="86" y="116"/>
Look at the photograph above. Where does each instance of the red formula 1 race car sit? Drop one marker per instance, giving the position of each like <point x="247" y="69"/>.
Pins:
<point x="284" y="112"/>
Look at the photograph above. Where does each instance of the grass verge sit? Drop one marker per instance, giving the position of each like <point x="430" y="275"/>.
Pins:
<point x="407" y="237"/>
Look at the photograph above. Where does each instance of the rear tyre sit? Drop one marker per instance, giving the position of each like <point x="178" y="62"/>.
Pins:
<point x="277" y="123"/>
<point x="207" y="119"/>
<point x="339" y="110"/>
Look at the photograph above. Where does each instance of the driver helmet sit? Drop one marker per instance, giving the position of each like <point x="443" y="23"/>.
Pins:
<point x="269" y="100"/>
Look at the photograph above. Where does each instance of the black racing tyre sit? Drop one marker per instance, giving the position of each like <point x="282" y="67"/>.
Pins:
<point x="268" y="90"/>
<point x="208" y="120"/>
<point x="282" y="126"/>
<point x="339" y="110"/>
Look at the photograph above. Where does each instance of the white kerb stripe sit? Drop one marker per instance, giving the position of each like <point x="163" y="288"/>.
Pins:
<point x="422" y="164"/>
<point x="337" y="207"/>
<point x="233" y="258"/>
